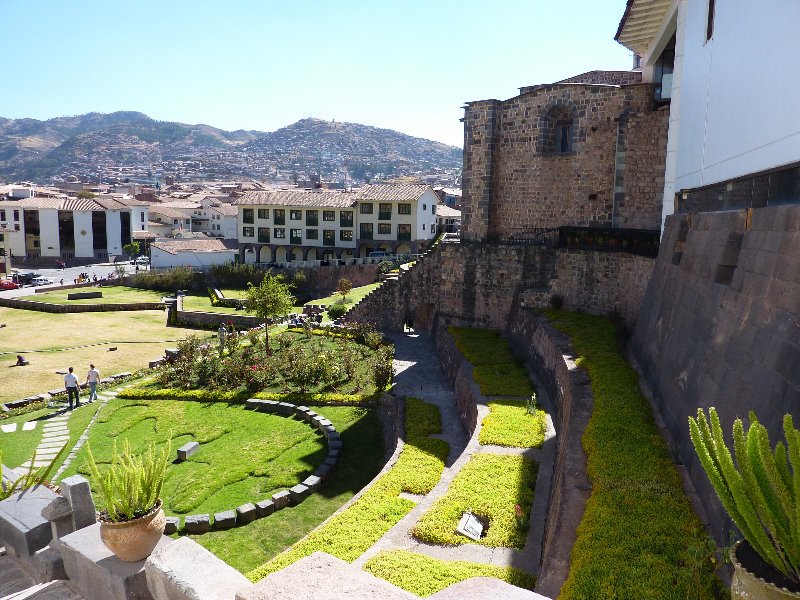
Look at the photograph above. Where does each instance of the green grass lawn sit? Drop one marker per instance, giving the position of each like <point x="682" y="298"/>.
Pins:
<point x="200" y="301"/>
<point x="510" y="424"/>
<point x="111" y="294"/>
<point x="244" y="455"/>
<point x="489" y="485"/>
<point x="423" y="575"/>
<point x="355" y="296"/>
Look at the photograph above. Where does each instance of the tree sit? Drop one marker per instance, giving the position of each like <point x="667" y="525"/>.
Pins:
<point x="131" y="249"/>
<point x="272" y="298"/>
<point x="86" y="195"/>
<point x="344" y="288"/>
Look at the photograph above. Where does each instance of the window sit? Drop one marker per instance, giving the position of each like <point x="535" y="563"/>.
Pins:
<point x="263" y="235"/>
<point x="328" y="215"/>
<point x="346" y="235"/>
<point x="424" y="207"/>
<point x="433" y="209"/>
<point x="296" y="215"/>
<point x="16" y="215"/>
<point x="328" y="237"/>
<point x="365" y="208"/>
<point x="384" y="212"/>
<point x="312" y="218"/>
<point x="279" y="215"/>
<point x="404" y="232"/>
<point x="346" y="218"/>
<point x="557" y="129"/>
<point x="248" y="231"/>
<point x="403" y="209"/>
<point x="247" y="215"/>
<point x="563" y="134"/>
<point x="433" y="228"/>
<point x="174" y="221"/>
<point x="312" y="234"/>
<point x="263" y="213"/>
<point x="384" y="229"/>
<point x="2" y="215"/>
<point x="662" y="72"/>
<point x="141" y="217"/>
<point x="16" y="227"/>
<point x="365" y="231"/>
<point x="280" y="233"/>
<point x="423" y="227"/>
<point x="296" y="236"/>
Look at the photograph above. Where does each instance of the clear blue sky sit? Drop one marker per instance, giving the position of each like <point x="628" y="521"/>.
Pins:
<point x="408" y="66"/>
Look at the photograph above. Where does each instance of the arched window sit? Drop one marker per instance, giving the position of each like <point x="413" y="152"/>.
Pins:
<point x="563" y="135"/>
<point x="557" y="130"/>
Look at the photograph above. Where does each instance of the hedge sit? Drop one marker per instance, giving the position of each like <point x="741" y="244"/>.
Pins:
<point x="638" y="522"/>
<point x="423" y="575"/>
<point x="347" y="535"/>
<point x="141" y="393"/>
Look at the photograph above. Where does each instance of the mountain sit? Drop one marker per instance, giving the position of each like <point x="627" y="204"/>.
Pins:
<point x="107" y="144"/>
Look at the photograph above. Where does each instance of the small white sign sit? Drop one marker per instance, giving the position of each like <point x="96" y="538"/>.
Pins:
<point x="470" y="526"/>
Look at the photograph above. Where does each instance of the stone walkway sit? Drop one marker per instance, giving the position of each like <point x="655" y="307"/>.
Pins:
<point x="418" y="374"/>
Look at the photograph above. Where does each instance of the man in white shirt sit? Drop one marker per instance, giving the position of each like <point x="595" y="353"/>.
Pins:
<point x="71" y="383"/>
<point x="92" y="378"/>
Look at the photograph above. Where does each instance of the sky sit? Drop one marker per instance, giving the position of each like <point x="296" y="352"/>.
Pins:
<point x="262" y="65"/>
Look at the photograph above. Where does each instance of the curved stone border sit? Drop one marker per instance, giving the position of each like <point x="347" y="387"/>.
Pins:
<point x="78" y="308"/>
<point x="250" y="511"/>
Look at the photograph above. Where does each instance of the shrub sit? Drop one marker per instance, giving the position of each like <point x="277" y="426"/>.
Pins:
<point x="168" y="280"/>
<point x="337" y="311"/>
<point x="237" y="274"/>
<point x="423" y="575"/>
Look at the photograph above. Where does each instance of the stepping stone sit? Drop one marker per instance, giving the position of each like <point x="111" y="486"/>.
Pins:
<point x="55" y="437"/>
<point x="41" y="463"/>
<point x="9" y="428"/>
<point x="52" y="428"/>
<point x="29" y="425"/>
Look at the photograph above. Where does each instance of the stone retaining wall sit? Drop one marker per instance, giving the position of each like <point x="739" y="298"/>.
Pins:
<point x="209" y="319"/>
<point x="458" y="373"/>
<point x="78" y="308"/>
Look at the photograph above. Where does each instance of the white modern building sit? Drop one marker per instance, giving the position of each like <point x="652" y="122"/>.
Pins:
<point x="725" y="68"/>
<point x="195" y="253"/>
<point x="296" y="226"/>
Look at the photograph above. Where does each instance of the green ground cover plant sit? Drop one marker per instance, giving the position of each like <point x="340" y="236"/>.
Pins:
<point x="510" y="424"/>
<point x="423" y="575"/>
<point x="348" y="534"/>
<point x="112" y="294"/>
<point x="638" y="522"/>
<point x="199" y="302"/>
<point x="354" y="296"/>
<point x="495" y="369"/>
<point x="490" y="486"/>
<point x="244" y="455"/>
<point x="248" y="546"/>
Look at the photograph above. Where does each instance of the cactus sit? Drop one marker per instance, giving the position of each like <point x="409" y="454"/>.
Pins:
<point x="761" y="491"/>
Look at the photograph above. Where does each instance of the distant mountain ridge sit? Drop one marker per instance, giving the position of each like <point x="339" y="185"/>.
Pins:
<point x="40" y="150"/>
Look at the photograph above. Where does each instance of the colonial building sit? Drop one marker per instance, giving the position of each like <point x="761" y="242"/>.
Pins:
<point x="295" y="225"/>
<point x="66" y="228"/>
<point x="586" y="151"/>
<point x="196" y="253"/>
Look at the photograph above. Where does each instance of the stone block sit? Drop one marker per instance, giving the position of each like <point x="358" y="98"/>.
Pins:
<point x="154" y="363"/>
<point x="309" y="416"/>
<point x="96" y="573"/>
<point x="197" y="523"/>
<point x="331" y="434"/>
<point x="253" y="403"/>
<point x="333" y="454"/>
<point x="184" y="570"/>
<point x="225" y="519"/>
<point x="486" y="588"/>
<point x="312" y="482"/>
<point x="301" y="411"/>
<point x="187" y="450"/>
<point x="323" y="423"/>
<point x="281" y="499"/>
<point x="298" y="493"/>
<point x="245" y="513"/>
<point x="23" y="529"/>
<point x="172" y="525"/>
<point x="323" y="577"/>
<point x="331" y="462"/>
<point x="77" y="491"/>
<point x="323" y="471"/>
<point x="264" y="508"/>
<point x="335" y="445"/>
<point x="285" y="409"/>
<point x="269" y="406"/>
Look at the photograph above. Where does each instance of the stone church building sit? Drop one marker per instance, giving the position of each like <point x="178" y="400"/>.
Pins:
<point x="586" y="151"/>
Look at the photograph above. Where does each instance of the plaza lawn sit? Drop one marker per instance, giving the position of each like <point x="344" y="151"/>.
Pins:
<point x="112" y="294"/>
<point x="139" y="336"/>
<point x="201" y="302"/>
<point x="355" y="296"/>
<point x="245" y="456"/>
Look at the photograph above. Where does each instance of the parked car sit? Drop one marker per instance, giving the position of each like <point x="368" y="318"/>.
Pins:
<point x="42" y="281"/>
<point x="7" y="284"/>
<point x="142" y="260"/>
<point x="25" y="278"/>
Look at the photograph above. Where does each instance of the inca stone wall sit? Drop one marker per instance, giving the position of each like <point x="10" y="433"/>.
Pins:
<point x="720" y="326"/>
<point x="480" y="284"/>
<point x="515" y="179"/>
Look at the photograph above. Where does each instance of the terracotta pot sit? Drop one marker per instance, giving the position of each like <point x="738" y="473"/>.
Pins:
<point x="747" y="586"/>
<point x="134" y="540"/>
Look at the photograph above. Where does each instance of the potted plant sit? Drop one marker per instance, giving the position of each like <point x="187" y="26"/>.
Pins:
<point x="761" y="493"/>
<point x="133" y="521"/>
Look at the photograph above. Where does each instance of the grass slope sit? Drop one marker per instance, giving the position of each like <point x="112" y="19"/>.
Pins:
<point x="638" y="522"/>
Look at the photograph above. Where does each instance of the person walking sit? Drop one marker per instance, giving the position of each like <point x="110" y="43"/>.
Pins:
<point x="92" y="378"/>
<point x="71" y="383"/>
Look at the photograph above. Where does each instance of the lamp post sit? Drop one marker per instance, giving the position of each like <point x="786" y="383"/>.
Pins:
<point x="222" y="334"/>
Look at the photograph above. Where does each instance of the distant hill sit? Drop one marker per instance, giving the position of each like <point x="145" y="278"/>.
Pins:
<point x="82" y="145"/>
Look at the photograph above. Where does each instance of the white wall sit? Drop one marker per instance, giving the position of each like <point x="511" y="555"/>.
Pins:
<point x="114" y="232"/>
<point x="426" y="214"/>
<point x="161" y="260"/>
<point x="81" y="221"/>
<point x="738" y="112"/>
<point x="49" y="241"/>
